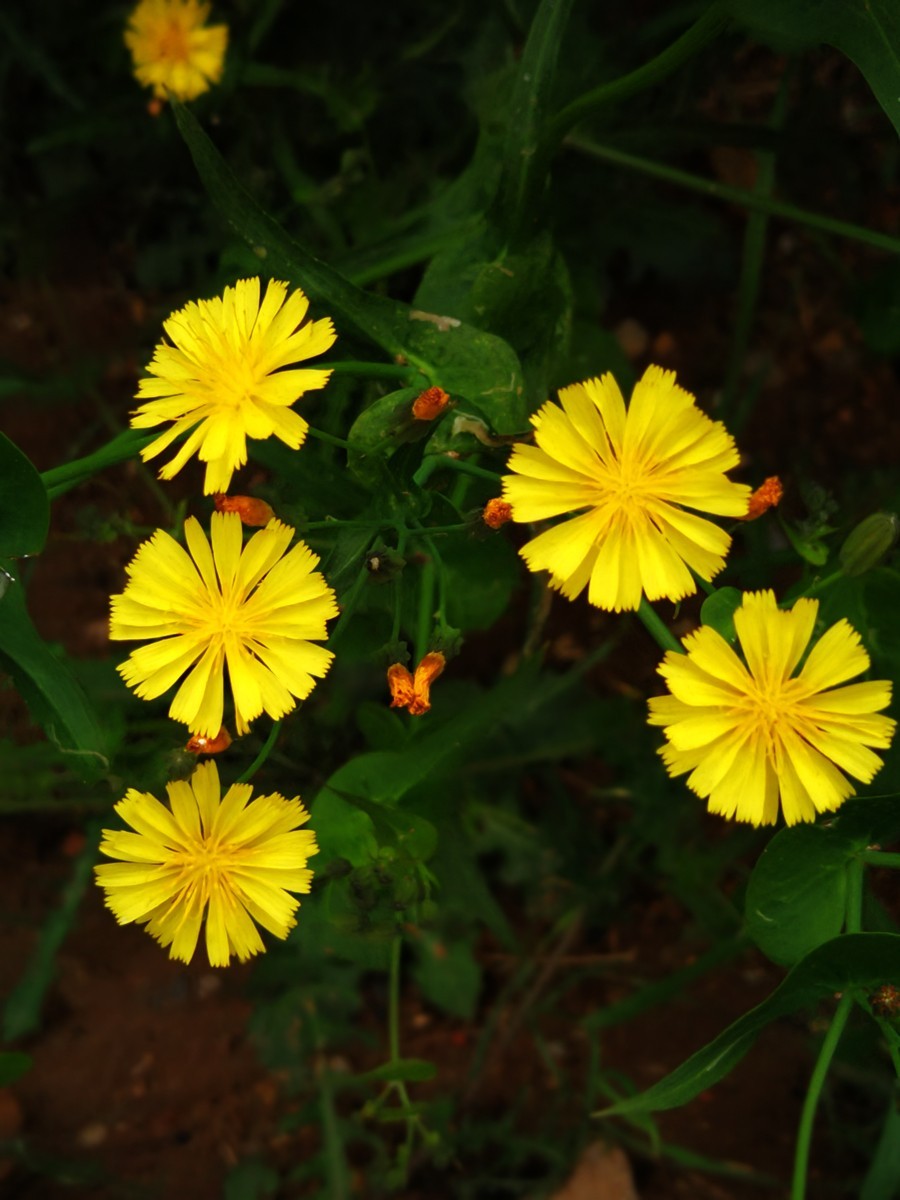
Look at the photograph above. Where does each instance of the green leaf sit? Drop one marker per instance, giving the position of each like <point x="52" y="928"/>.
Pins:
<point x="24" y="507"/>
<point x="22" y="1011"/>
<point x="855" y="960"/>
<point x="882" y="1181"/>
<point x="718" y="611"/>
<point x="402" y="1070"/>
<point x="448" y="974"/>
<point x="867" y="31"/>
<point x="54" y="696"/>
<point x="523" y="175"/>
<point x="462" y="360"/>
<point x="481" y="577"/>
<point x="13" y="1065"/>
<point x="797" y="892"/>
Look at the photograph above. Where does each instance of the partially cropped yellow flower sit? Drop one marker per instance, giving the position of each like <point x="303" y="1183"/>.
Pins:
<point x="231" y="860"/>
<point x="222" y="379"/>
<point x="631" y="475"/>
<point x="172" y="48"/>
<point x="256" y="609"/>
<point x="754" y="730"/>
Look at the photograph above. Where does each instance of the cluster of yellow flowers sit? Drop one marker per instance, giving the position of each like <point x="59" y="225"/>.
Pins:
<point x="759" y="728"/>
<point x="257" y="610"/>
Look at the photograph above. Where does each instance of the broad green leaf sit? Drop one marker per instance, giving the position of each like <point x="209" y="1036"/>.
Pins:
<point x="523" y="176"/>
<point x="55" y="698"/>
<point x="867" y="31"/>
<point x="854" y="960"/>
<point x="882" y="1181"/>
<point x="448" y="974"/>
<point x="22" y="1011"/>
<point x="24" y="507"/>
<point x="460" y="359"/>
<point x="718" y="611"/>
<point x="402" y="1070"/>
<point x="797" y="893"/>
<point x="481" y="577"/>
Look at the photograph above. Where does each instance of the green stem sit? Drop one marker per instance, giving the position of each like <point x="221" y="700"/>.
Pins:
<point x="820" y="1071"/>
<point x="741" y="196"/>
<point x="425" y="615"/>
<point x="708" y="27"/>
<point x="125" y="445"/>
<point x="879" y="858"/>
<point x="321" y="436"/>
<point x="430" y="529"/>
<point x="373" y="370"/>
<point x="853" y="923"/>
<point x="657" y="629"/>
<point x="434" y="462"/>
<point x="267" y="748"/>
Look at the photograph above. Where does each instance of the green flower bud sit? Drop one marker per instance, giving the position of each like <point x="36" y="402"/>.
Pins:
<point x="869" y="542"/>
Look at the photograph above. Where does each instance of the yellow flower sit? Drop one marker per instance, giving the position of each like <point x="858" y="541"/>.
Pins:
<point x="223" y="380"/>
<point x="172" y="50"/>
<point x="752" y="732"/>
<point x="254" y="608"/>
<point x="232" y="860"/>
<point x="631" y="475"/>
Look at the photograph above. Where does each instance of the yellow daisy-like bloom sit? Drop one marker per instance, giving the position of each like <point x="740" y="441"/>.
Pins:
<point x="257" y="608"/>
<point x="631" y="474"/>
<point x="172" y="48"/>
<point x="222" y="378"/>
<point x="752" y="732"/>
<point x="232" y="860"/>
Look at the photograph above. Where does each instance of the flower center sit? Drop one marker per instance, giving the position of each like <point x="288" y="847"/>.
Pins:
<point x="173" y="42"/>
<point x="770" y="707"/>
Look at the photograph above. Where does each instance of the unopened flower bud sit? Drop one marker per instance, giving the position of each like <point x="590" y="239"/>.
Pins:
<point x="412" y="692"/>
<point x="496" y="513"/>
<point x="868" y="543"/>
<point x="429" y="405"/>
<point x="385" y="565"/>
<point x="251" y="510"/>
<point x="766" y="496"/>
<point x="205" y="745"/>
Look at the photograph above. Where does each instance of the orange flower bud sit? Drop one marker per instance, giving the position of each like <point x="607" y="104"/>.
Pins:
<point x="204" y="745"/>
<point x="766" y="496"/>
<point x="496" y="513"/>
<point x="251" y="510"/>
<point x="430" y="404"/>
<point x="155" y="106"/>
<point x="412" y="692"/>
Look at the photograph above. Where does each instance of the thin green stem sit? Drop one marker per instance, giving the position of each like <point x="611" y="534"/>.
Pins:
<point x="434" y="462"/>
<point x="853" y="911"/>
<point x="816" y="1083"/>
<point x="732" y="195"/>
<point x="657" y="629"/>
<point x="880" y="858"/>
<point x="398" y="589"/>
<point x="373" y="370"/>
<point x="709" y="26"/>
<point x="425" y="615"/>
<point x="430" y="529"/>
<point x="321" y="436"/>
<point x="267" y="748"/>
<point x="852" y="924"/>
<point x="125" y="445"/>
